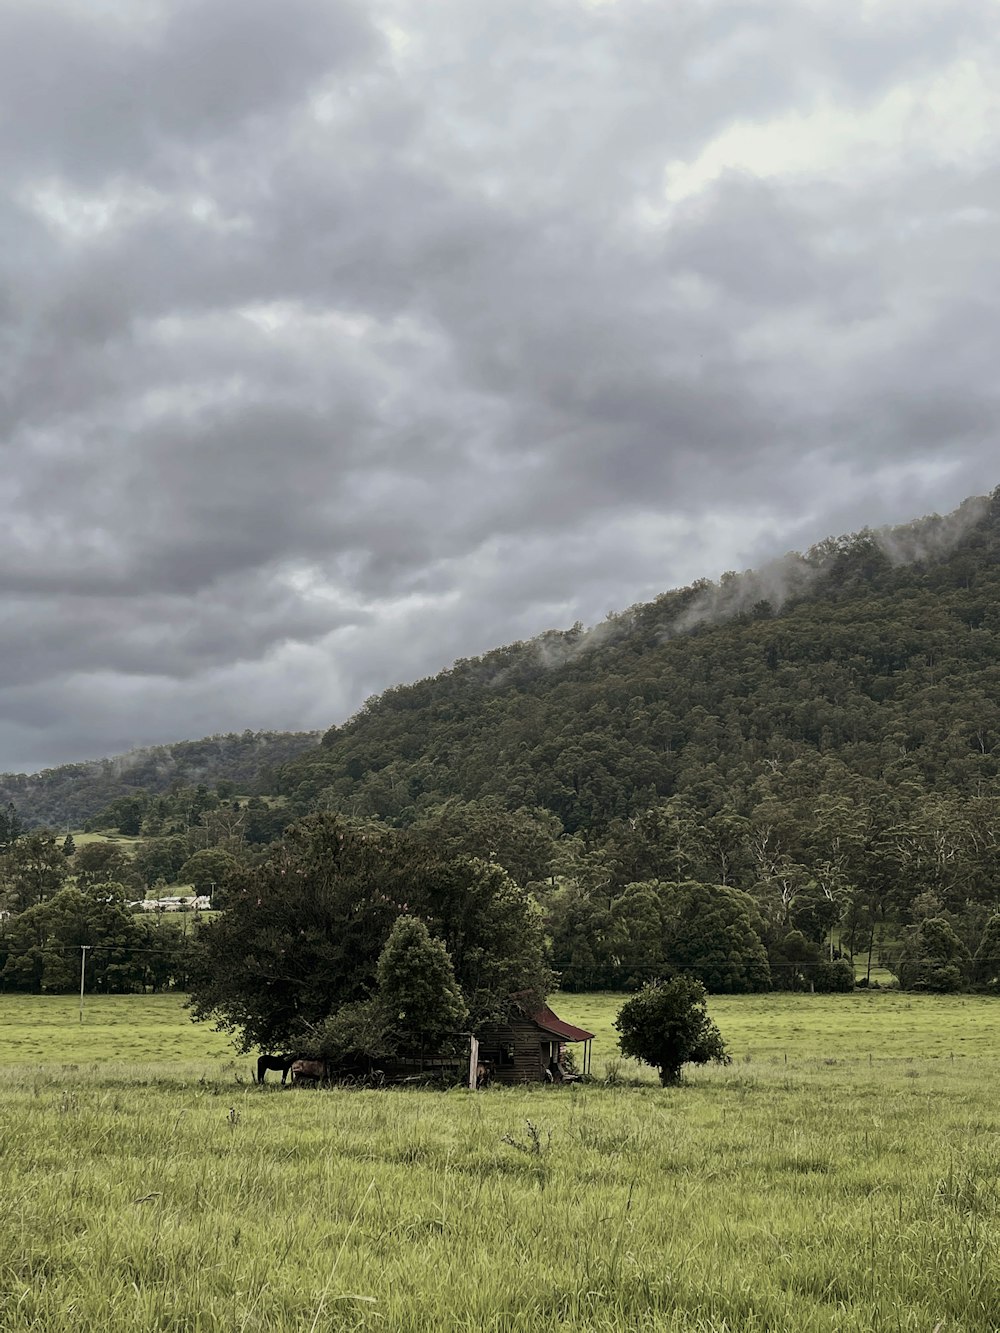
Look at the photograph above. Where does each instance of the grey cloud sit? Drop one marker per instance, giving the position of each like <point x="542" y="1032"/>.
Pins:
<point x="95" y="94"/>
<point x="328" y="355"/>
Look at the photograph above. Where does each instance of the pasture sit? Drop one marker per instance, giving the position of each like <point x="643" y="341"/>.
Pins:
<point x="841" y="1174"/>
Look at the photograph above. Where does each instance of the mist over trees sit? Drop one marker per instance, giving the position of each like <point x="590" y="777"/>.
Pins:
<point x="879" y="673"/>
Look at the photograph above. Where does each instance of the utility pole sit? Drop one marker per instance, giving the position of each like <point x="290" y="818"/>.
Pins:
<point x="83" y="972"/>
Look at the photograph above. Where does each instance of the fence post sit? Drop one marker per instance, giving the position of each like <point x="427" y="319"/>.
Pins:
<point x="83" y="970"/>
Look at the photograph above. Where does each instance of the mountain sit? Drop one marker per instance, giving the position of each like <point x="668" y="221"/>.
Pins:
<point x="737" y="779"/>
<point x="66" y="797"/>
<point x="873" y="657"/>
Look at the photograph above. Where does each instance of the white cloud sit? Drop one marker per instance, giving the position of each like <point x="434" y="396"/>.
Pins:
<point x="952" y="114"/>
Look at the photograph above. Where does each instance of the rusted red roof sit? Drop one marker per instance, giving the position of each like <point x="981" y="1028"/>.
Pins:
<point x="550" y="1022"/>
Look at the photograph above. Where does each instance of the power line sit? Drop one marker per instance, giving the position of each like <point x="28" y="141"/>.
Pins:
<point x="120" y="948"/>
<point x="658" y="967"/>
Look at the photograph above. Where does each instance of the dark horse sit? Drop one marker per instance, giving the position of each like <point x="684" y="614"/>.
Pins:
<point x="282" y="1062"/>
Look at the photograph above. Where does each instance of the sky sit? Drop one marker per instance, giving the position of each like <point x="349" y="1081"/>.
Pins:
<point x="339" y="340"/>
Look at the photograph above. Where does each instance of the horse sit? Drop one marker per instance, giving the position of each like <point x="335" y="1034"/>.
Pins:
<point x="282" y="1062"/>
<point x="484" y="1073"/>
<point x="310" y="1071"/>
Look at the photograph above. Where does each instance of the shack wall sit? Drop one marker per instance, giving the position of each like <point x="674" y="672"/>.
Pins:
<point x="526" y="1039"/>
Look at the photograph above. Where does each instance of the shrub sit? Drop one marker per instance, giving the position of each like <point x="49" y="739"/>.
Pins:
<point x="667" y="1025"/>
<point x="835" y="976"/>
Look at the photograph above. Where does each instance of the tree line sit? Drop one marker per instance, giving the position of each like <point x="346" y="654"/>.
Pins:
<point x="742" y="904"/>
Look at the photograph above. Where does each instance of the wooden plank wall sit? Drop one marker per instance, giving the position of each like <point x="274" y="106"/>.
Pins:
<point x="527" y="1039"/>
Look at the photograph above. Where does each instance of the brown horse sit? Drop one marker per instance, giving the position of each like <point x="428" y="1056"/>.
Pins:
<point x="282" y="1062"/>
<point x="310" y="1071"/>
<point x="484" y="1073"/>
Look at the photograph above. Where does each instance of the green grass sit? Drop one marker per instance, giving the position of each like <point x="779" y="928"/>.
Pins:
<point x="46" y="1030"/>
<point x="123" y="840"/>
<point x="808" y="1029"/>
<point x="804" y="1187"/>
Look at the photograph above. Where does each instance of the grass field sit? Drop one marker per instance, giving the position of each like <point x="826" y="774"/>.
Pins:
<point x="122" y="840"/>
<point x="841" y="1174"/>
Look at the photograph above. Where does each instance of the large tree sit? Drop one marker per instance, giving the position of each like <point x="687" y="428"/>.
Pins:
<point x="713" y="933"/>
<point x="417" y="1006"/>
<point x="105" y="863"/>
<point x="32" y="869"/>
<point x="162" y="858"/>
<point x="208" y="872"/>
<point x="303" y="931"/>
<point x="933" y="958"/>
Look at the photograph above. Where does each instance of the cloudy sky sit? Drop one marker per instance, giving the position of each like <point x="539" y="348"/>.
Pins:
<point x="341" y="339"/>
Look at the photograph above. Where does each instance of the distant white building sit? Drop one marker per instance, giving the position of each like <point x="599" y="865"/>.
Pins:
<point x="192" y="903"/>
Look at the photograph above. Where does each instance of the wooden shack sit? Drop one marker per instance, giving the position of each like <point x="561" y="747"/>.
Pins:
<point x="529" y="1048"/>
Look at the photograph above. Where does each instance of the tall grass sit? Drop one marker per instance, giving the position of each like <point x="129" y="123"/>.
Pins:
<point x="807" y="1188"/>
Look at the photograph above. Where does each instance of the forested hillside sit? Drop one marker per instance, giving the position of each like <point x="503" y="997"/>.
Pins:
<point x="68" y="796"/>
<point x="880" y="662"/>
<point x="740" y="780"/>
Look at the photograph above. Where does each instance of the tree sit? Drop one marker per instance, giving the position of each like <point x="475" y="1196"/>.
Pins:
<point x="162" y="858"/>
<point x="713" y="932"/>
<point x="637" y="939"/>
<point x="125" y="814"/>
<point x="32" y="869"/>
<point x="208" y="871"/>
<point x="815" y="912"/>
<point x="264" y="824"/>
<point x="798" y="964"/>
<point x="986" y="964"/>
<point x="357" y="1031"/>
<point x="586" y="938"/>
<point x="417" y="1007"/>
<point x="933" y="958"/>
<point x="11" y="827"/>
<point x="793" y="959"/>
<point x="522" y="841"/>
<point x="417" y="987"/>
<point x="105" y="863"/>
<point x="833" y="977"/>
<point x="303" y="931"/>
<point x="662" y="843"/>
<point x="667" y="1025"/>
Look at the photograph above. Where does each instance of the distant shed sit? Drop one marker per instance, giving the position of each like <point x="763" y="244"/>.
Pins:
<point x="529" y="1048"/>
